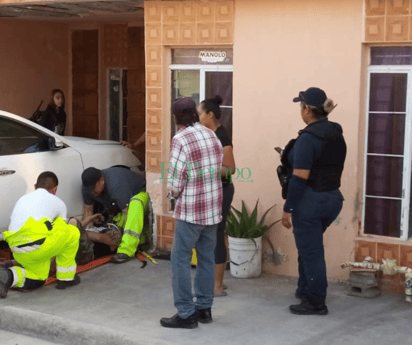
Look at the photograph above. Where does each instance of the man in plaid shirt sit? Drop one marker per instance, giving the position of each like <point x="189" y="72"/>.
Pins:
<point x="194" y="181"/>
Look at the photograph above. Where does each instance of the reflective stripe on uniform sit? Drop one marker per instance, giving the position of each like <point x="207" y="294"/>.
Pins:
<point x="25" y="249"/>
<point x="19" y="276"/>
<point x="66" y="269"/>
<point x="131" y="233"/>
<point x="28" y="247"/>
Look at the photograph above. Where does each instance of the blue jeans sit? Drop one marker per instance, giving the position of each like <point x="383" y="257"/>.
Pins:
<point x="203" y="238"/>
<point x="311" y="217"/>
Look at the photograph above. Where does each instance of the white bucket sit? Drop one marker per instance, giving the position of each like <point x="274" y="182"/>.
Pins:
<point x="245" y="257"/>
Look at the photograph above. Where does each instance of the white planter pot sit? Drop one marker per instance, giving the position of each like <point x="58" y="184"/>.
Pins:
<point x="245" y="257"/>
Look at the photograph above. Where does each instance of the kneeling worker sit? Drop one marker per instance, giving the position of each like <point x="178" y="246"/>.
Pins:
<point x="125" y="190"/>
<point x="37" y="233"/>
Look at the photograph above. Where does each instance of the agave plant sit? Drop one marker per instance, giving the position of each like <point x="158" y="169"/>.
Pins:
<point x="241" y="224"/>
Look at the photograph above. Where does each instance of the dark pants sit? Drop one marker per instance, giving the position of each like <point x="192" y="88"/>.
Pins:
<point x="220" y="250"/>
<point x="31" y="284"/>
<point x="312" y="215"/>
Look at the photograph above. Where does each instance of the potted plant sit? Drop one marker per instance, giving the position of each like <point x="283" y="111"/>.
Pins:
<point x="245" y="233"/>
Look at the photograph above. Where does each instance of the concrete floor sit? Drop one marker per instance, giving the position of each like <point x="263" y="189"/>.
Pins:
<point x="9" y="338"/>
<point x="124" y="300"/>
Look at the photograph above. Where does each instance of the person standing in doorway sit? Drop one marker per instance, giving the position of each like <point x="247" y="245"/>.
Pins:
<point x="55" y="116"/>
<point x="196" y="157"/>
<point x="209" y="115"/>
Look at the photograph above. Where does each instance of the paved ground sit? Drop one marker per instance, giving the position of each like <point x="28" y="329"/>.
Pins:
<point x="9" y="338"/>
<point x="122" y="304"/>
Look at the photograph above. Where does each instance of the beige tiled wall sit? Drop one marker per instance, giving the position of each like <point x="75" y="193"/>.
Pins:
<point x="388" y="20"/>
<point x="379" y="251"/>
<point x="175" y="24"/>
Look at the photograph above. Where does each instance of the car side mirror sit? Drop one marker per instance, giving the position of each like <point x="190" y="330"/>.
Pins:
<point x="54" y="144"/>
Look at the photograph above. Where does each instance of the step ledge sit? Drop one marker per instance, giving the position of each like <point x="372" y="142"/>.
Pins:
<point x="65" y="331"/>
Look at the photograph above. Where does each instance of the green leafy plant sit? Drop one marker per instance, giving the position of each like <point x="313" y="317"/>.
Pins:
<point x="241" y="224"/>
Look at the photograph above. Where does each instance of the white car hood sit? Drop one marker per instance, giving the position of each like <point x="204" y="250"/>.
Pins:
<point x="89" y="141"/>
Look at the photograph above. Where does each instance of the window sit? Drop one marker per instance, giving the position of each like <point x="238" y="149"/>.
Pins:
<point x="202" y="74"/>
<point x="387" y="178"/>
<point x="16" y="138"/>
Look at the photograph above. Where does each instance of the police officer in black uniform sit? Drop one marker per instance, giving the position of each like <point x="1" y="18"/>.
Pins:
<point x="315" y="160"/>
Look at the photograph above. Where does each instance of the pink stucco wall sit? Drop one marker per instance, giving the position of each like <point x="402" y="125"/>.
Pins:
<point x="34" y="59"/>
<point x="280" y="48"/>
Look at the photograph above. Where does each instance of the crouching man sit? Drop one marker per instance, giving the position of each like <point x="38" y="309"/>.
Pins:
<point x="124" y="190"/>
<point x="37" y="233"/>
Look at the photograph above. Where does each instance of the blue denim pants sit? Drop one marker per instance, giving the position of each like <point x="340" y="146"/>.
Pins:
<point x="311" y="217"/>
<point x="203" y="238"/>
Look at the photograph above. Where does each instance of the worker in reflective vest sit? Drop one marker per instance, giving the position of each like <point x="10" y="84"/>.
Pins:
<point x="124" y="190"/>
<point x="37" y="233"/>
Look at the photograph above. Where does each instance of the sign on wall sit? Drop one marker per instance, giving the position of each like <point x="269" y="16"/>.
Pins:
<point x="212" y="57"/>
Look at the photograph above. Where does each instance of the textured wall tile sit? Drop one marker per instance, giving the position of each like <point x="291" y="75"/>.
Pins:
<point x="390" y="283"/>
<point x="136" y="57"/>
<point x="206" y="12"/>
<point x="170" y="34"/>
<point x="154" y="76"/>
<point x="205" y="33"/>
<point x="136" y="80"/>
<point x="397" y="28"/>
<point x="406" y="256"/>
<point x="154" y="119"/>
<point x="152" y="11"/>
<point x="154" y="97"/>
<point x="187" y="33"/>
<point x="159" y="226"/>
<point x="363" y="249"/>
<point x="153" y="33"/>
<point x="224" y="11"/>
<point x="153" y="161"/>
<point x="167" y="242"/>
<point x="374" y="29"/>
<point x="153" y="140"/>
<point x="395" y="7"/>
<point x="387" y="251"/>
<point x="168" y="226"/>
<point x="224" y="33"/>
<point x="188" y="12"/>
<point x="115" y="45"/>
<point x="171" y="12"/>
<point x="153" y="55"/>
<point x="375" y="7"/>
<point x="410" y="29"/>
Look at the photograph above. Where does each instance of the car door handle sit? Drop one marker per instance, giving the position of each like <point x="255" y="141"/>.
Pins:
<point x="7" y="172"/>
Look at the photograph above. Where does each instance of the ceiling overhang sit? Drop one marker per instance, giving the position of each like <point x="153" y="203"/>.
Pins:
<point x="72" y="9"/>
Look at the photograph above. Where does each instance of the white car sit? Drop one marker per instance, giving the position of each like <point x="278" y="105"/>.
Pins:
<point x="28" y="149"/>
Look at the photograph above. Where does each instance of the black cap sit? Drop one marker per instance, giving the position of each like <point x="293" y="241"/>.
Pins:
<point x="183" y="103"/>
<point x="313" y="96"/>
<point x="90" y="177"/>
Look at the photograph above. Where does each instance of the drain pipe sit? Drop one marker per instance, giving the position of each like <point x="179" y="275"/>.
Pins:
<point x="388" y="266"/>
<point x="153" y="226"/>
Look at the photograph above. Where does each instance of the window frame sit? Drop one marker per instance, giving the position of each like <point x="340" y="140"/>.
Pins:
<point x="407" y="153"/>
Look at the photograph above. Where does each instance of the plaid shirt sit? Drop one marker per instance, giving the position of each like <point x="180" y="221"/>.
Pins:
<point x="194" y="175"/>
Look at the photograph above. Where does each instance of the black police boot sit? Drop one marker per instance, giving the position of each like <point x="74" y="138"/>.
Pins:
<point x="204" y="315"/>
<point x="307" y="308"/>
<point x="302" y="296"/>
<point x="177" y="322"/>
<point x="6" y="279"/>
